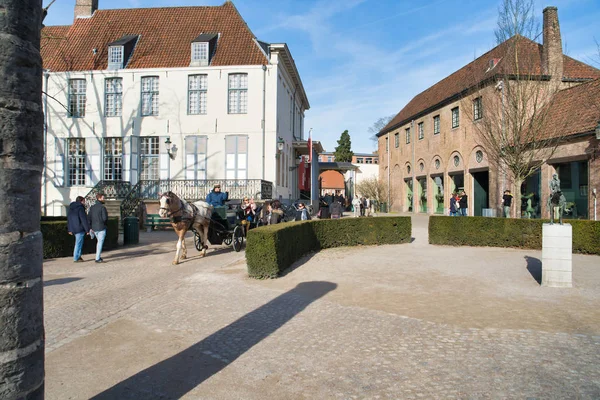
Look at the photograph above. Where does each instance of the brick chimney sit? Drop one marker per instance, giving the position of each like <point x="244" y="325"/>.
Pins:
<point x="552" y="55"/>
<point x="85" y="8"/>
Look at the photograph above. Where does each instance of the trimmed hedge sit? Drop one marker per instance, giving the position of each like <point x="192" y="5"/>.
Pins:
<point x="508" y="232"/>
<point x="272" y="249"/>
<point x="58" y="242"/>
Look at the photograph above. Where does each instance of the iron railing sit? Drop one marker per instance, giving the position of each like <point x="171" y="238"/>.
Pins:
<point x="193" y="190"/>
<point x="113" y="190"/>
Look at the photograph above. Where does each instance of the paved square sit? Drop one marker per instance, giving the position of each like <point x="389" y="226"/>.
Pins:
<point x="408" y="321"/>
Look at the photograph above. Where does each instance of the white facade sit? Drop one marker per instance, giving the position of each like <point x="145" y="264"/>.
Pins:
<point x="275" y="109"/>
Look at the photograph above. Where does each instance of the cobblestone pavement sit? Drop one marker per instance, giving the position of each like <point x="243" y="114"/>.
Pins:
<point x="346" y="324"/>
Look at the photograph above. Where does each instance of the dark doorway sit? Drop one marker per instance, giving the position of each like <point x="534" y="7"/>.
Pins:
<point x="481" y="188"/>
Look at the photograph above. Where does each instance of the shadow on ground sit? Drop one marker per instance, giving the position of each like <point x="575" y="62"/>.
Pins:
<point x="61" y="281"/>
<point x="181" y="373"/>
<point x="534" y="266"/>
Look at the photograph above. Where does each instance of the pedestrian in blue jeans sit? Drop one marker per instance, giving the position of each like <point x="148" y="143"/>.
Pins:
<point x="77" y="224"/>
<point x="98" y="217"/>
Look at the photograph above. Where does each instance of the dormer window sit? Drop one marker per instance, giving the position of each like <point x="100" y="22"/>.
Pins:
<point x="200" y="53"/>
<point x="120" y="51"/>
<point x="202" y="49"/>
<point x="115" y="57"/>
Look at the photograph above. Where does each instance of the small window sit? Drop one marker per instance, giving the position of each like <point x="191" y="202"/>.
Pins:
<point x="387" y="144"/>
<point x="149" y="95"/>
<point x="368" y="161"/>
<point x="359" y="160"/>
<point x="115" y="57"/>
<point x="455" y="117"/>
<point x="436" y="125"/>
<point x="421" y="130"/>
<point x="375" y="161"/>
<point x="397" y="140"/>
<point x="77" y="98"/>
<point x="477" y="109"/>
<point x="407" y="135"/>
<point x="238" y="93"/>
<point x="200" y="53"/>
<point x="197" y="91"/>
<point x="329" y="159"/>
<point x="113" y="97"/>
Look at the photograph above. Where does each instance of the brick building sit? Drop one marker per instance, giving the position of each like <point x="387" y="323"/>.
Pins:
<point x="431" y="147"/>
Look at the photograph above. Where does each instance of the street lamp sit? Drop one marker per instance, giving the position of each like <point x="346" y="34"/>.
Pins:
<point x="280" y="143"/>
<point x="171" y="148"/>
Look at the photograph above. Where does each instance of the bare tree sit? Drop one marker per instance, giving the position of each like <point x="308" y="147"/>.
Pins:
<point x="378" y="126"/>
<point x="510" y="111"/>
<point x="374" y="189"/>
<point x="21" y="151"/>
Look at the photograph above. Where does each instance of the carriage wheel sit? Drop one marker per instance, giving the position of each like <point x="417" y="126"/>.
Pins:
<point x="227" y="240"/>
<point x="197" y="241"/>
<point x="238" y="237"/>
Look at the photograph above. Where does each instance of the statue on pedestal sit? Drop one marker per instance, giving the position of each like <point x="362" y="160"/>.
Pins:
<point x="556" y="201"/>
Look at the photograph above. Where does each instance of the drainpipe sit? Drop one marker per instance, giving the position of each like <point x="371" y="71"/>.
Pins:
<point x="264" y="67"/>
<point x="594" y="193"/>
<point x="389" y="145"/>
<point x="44" y="170"/>
<point x="414" y="170"/>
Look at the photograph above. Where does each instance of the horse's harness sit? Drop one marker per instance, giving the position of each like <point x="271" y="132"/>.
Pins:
<point x="180" y="218"/>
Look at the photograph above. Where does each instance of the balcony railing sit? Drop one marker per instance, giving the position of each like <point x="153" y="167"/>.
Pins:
<point x="193" y="190"/>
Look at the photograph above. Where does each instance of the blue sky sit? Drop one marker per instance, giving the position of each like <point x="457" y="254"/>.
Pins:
<point x="364" y="59"/>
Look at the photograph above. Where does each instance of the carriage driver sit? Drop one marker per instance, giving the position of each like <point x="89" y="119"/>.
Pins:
<point x="216" y="198"/>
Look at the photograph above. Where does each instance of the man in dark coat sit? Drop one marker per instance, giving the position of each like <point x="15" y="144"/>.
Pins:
<point x="98" y="218"/>
<point x="464" y="204"/>
<point x="77" y="224"/>
<point x="216" y="198"/>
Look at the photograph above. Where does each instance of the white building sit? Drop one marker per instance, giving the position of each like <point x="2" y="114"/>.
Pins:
<point x="122" y="83"/>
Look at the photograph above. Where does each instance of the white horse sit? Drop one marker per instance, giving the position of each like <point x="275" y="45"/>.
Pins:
<point x="185" y="216"/>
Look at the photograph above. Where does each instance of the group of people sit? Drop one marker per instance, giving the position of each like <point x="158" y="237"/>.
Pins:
<point x="459" y="204"/>
<point x="362" y="206"/>
<point x="93" y="224"/>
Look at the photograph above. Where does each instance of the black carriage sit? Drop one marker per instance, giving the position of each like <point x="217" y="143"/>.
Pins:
<point x="227" y="226"/>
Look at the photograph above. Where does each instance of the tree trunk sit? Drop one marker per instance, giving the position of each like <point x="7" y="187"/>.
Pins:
<point x="21" y="161"/>
<point x="517" y="197"/>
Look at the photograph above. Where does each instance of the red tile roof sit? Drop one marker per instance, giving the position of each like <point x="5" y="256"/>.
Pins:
<point x="575" y="110"/>
<point x="165" y="38"/>
<point x="52" y="38"/>
<point x="476" y="72"/>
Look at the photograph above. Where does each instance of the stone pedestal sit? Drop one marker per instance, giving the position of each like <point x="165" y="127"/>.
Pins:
<point x="557" y="255"/>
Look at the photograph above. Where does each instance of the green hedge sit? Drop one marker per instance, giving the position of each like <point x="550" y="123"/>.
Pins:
<point x="58" y="242"/>
<point x="272" y="249"/>
<point x="508" y="232"/>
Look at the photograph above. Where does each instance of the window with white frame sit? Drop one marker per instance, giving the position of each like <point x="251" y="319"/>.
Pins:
<point x="200" y="53"/>
<point x="455" y="117"/>
<point x="149" y="154"/>
<point x="397" y="140"/>
<point x="76" y="161"/>
<point x="407" y="131"/>
<point x="197" y="90"/>
<point x="421" y="127"/>
<point x="436" y="125"/>
<point x="236" y="161"/>
<point x="113" y="97"/>
<point x="77" y="98"/>
<point x="115" y="57"/>
<point x="238" y="93"/>
<point x="359" y="160"/>
<point x="195" y="157"/>
<point x="113" y="159"/>
<point x="149" y="95"/>
<point x="477" y="109"/>
<point x="368" y="161"/>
